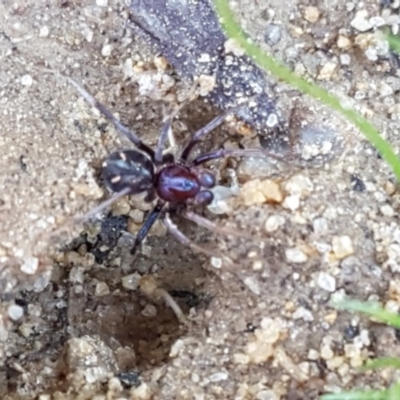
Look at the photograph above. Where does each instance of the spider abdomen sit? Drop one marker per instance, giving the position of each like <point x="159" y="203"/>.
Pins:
<point x="128" y="169"/>
<point x="177" y="184"/>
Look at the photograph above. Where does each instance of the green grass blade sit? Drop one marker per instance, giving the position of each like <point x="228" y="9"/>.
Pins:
<point x="394" y="43"/>
<point x="357" y="395"/>
<point x="372" y="309"/>
<point x="383" y="362"/>
<point x="394" y="392"/>
<point x="234" y="31"/>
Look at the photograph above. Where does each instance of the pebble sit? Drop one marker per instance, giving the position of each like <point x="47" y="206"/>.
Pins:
<point x="295" y="255"/>
<point x="176" y="347"/>
<point x="30" y="265"/>
<point x="320" y="226"/>
<point x="107" y="50"/>
<point x="102" y="289"/>
<point x="216" y="262"/>
<point x="260" y="348"/>
<point x="143" y="392"/>
<point x="360" y="22"/>
<point x="291" y="202"/>
<point x="273" y="223"/>
<point x="342" y="246"/>
<point x="127" y="68"/>
<point x="327" y="71"/>
<point x="326" y="352"/>
<point x="326" y="282"/>
<point x="311" y="14"/>
<point x="102" y="3"/>
<point x="304" y="314"/>
<point x="343" y="42"/>
<point x="299" y="185"/>
<point x="15" y="312"/>
<point x="261" y="191"/>
<point x="219" y="376"/>
<point x="267" y="395"/>
<point x="253" y="284"/>
<point x="387" y="210"/>
<point x="131" y="282"/>
<point x="345" y="59"/>
<point x="44" y="31"/>
<point x="273" y="34"/>
<point x="26" y="80"/>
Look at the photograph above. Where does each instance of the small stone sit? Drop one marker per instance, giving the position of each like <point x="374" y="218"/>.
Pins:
<point x="137" y="216"/>
<point x="342" y="246"/>
<point x="299" y="185"/>
<point x="102" y="289"/>
<point x="261" y="191"/>
<point x="385" y="89"/>
<point x="273" y="34"/>
<point x="26" y="80"/>
<point x="206" y="84"/>
<point x="149" y="311"/>
<point x="327" y="71"/>
<point x="326" y="282"/>
<point x="345" y="59"/>
<point x="273" y="223"/>
<point x="131" y="282"/>
<point x="360" y="22"/>
<point x="320" y="226"/>
<point x="304" y="314"/>
<point x="387" y="210"/>
<point x="335" y="362"/>
<point x="326" y="352"/>
<point x="343" y="42"/>
<point x="216" y="262"/>
<point x="143" y="392"/>
<point x="44" y="31"/>
<point x="102" y="3"/>
<point x="30" y="265"/>
<point x="313" y="355"/>
<point x="295" y="255"/>
<point x="218" y="377"/>
<point x="240" y="358"/>
<point x="291" y="202"/>
<point x="311" y="14"/>
<point x="76" y="275"/>
<point x="176" y="347"/>
<point x="267" y="395"/>
<point x="253" y="284"/>
<point x="127" y="69"/>
<point x="106" y="50"/>
<point x="15" y="312"/>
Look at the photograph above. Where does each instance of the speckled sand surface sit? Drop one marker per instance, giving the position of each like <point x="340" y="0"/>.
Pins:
<point x="325" y="223"/>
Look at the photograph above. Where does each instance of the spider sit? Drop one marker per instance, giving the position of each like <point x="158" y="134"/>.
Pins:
<point x="177" y="184"/>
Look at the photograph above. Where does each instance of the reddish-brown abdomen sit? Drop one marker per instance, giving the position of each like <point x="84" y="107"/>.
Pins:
<point x="176" y="184"/>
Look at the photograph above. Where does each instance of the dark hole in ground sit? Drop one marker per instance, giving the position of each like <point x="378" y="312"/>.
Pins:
<point x="71" y="307"/>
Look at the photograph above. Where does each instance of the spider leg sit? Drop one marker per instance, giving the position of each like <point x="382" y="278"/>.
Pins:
<point x="102" y="206"/>
<point x="234" y="153"/>
<point x="166" y="131"/>
<point x="107" y="113"/>
<point x="206" y="223"/>
<point x="181" y="237"/>
<point x="213" y="124"/>
<point x="144" y="230"/>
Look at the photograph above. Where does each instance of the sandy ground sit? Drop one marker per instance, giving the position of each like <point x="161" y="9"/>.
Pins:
<point x="324" y="224"/>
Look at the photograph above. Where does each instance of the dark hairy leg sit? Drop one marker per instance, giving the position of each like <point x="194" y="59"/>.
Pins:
<point x="107" y="113"/>
<point x="148" y="223"/>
